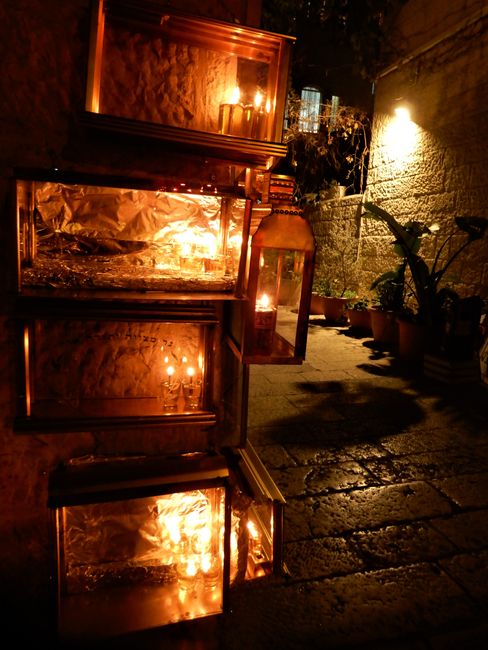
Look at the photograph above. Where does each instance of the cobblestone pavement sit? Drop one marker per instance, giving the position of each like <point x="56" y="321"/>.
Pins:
<point x="385" y="474"/>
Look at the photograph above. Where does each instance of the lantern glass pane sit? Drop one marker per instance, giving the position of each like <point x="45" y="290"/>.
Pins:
<point x="280" y="288"/>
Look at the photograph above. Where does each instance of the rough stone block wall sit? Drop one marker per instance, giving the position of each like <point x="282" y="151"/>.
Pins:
<point x="336" y="225"/>
<point x="440" y="171"/>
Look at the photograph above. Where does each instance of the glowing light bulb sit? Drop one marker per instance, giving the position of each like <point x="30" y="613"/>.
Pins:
<point x="403" y="114"/>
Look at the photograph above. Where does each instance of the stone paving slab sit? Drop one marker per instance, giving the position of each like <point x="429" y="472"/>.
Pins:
<point x="360" y="509"/>
<point x="347" y="611"/>
<point x="429" y="465"/>
<point x="471" y="571"/>
<point x="466" y="491"/>
<point x="334" y="477"/>
<point x="321" y="558"/>
<point x="402" y="544"/>
<point x="468" y="531"/>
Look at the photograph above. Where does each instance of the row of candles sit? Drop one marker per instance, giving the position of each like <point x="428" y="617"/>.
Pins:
<point x="246" y="120"/>
<point x="173" y="386"/>
<point x="191" y="530"/>
<point x="194" y="253"/>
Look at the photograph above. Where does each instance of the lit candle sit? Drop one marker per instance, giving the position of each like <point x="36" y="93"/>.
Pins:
<point x="264" y="323"/>
<point x="260" y="117"/>
<point x="237" y="113"/>
<point x="231" y="115"/>
<point x="247" y="120"/>
<point x="170" y="389"/>
<point x="263" y="302"/>
<point x="192" y="390"/>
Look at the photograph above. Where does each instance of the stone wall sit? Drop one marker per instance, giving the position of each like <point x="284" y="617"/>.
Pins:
<point x="336" y="224"/>
<point x="433" y="168"/>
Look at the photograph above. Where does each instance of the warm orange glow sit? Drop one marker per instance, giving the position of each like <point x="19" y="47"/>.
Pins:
<point x="402" y="113"/>
<point x="26" y="362"/>
<point x="401" y="138"/>
<point x="185" y="250"/>
<point x="235" y="96"/>
<point x="263" y="302"/>
<point x="253" y="531"/>
<point x="190" y="527"/>
<point x="258" y="99"/>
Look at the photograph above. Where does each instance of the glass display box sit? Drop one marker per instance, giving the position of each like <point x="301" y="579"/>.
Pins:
<point x="143" y="543"/>
<point x="83" y="233"/>
<point x="159" y="72"/>
<point x="82" y="368"/>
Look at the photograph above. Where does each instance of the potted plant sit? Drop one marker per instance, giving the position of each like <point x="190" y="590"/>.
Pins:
<point x="388" y="302"/>
<point x="329" y="301"/>
<point x="336" y="304"/>
<point x="357" y="312"/>
<point x="331" y="160"/>
<point x="334" y="190"/>
<point x="321" y="288"/>
<point x="451" y="323"/>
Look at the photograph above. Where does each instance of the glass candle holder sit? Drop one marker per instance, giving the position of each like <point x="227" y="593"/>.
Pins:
<point x="192" y="392"/>
<point x="170" y="392"/>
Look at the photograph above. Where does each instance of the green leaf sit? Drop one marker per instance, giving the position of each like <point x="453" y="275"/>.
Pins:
<point x="474" y="226"/>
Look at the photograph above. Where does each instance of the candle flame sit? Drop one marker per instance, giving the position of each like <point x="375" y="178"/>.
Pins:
<point x="190" y="372"/>
<point x="170" y="370"/>
<point x="236" y="94"/>
<point x="258" y="99"/>
<point x="186" y="250"/>
<point x="263" y="301"/>
<point x="253" y="531"/>
<point x="268" y="106"/>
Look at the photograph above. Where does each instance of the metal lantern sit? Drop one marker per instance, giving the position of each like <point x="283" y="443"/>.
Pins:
<point x="279" y="287"/>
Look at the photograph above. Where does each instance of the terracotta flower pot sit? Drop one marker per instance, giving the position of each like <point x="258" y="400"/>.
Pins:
<point x="317" y="305"/>
<point x="383" y="326"/>
<point x="411" y="341"/>
<point x="359" y="319"/>
<point x="334" y="308"/>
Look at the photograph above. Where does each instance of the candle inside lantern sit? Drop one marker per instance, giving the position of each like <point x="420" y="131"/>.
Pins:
<point x="264" y="324"/>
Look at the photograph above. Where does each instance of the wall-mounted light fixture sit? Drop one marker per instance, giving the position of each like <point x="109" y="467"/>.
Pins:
<point x="402" y="113"/>
<point x="401" y="133"/>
